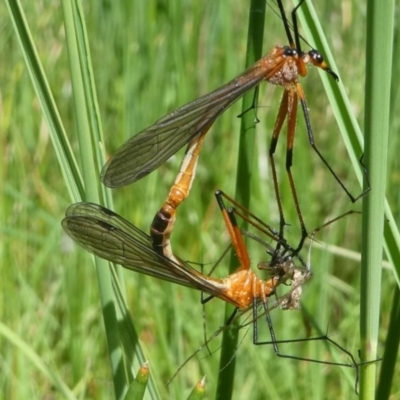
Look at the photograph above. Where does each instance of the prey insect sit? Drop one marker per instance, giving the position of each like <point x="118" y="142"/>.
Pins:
<point x="282" y="66"/>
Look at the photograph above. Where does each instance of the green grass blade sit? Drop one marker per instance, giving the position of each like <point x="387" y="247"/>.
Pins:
<point x="198" y="391"/>
<point x="379" y="47"/>
<point x="137" y="388"/>
<point x="339" y="101"/>
<point x="388" y="367"/>
<point x="60" y="140"/>
<point x="392" y="242"/>
<point x="243" y="188"/>
<point x="48" y="371"/>
<point x="352" y="136"/>
<point x="128" y="334"/>
<point x="91" y="180"/>
<point x="348" y="125"/>
<point x="92" y="156"/>
<point x="94" y="117"/>
<point x="49" y="108"/>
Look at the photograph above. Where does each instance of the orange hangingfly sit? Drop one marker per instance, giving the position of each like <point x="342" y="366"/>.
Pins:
<point x="107" y="235"/>
<point x="282" y="66"/>
<point x="280" y="266"/>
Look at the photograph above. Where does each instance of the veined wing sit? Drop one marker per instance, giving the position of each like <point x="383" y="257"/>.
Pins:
<point x="150" y="148"/>
<point x="109" y="236"/>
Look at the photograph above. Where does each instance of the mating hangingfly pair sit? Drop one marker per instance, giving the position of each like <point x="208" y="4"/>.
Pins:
<point x="109" y="236"/>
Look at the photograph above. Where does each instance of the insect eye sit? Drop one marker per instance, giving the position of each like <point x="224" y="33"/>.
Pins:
<point x="289" y="52"/>
<point x="316" y="56"/>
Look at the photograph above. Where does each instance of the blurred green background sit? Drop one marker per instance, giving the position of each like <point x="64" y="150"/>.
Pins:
<point x="148" y="59"/>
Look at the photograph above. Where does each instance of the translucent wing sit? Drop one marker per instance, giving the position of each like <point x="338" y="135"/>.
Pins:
<point x="109" y="236"/>
<point x="150" y="148"/>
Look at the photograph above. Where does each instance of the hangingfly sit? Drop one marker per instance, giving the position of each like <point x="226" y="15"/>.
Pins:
<point x="282" y="66"/>
<point x="147" y="150"/>
<point x="107" y="235"/>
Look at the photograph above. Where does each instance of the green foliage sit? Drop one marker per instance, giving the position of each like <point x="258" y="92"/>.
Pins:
<point x="148" y="58"/>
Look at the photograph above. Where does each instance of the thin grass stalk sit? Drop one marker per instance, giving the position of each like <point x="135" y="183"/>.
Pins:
<point x="49" y="108"/>
<point x="90" y="178"/>
<point x="128" y="334"/>
<point x="392" y="242"/>
<point x="348" y="125"/>
<point x="243" y="188"/>
<point x="57" y="133"/>
<point x="50" y="112"/>
<point x="335" y="91"/>
<point x="380" y="22"/>
<point x="352" y="134"/>
<point x="389" y="361"/>
<point x="128" y="337"/>
<point x="392" y="235"/>
<point x="51" y="374"/>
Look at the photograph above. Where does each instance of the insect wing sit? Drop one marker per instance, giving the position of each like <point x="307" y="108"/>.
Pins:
<point x="109" y="236"/>
<point x="150" y="148"/>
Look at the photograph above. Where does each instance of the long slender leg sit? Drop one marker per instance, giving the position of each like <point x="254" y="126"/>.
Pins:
<point x="292" y="116"/>
<point x="287" y="108"/>
<point x="252" y="219"/>
<point x="275" y="342"/>
<point x="274" y="141"/>
<point x="234" y="233"/>
<point x="310" y="134"/>
<point x="262" y="228"/>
